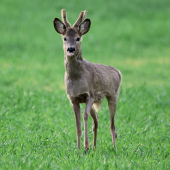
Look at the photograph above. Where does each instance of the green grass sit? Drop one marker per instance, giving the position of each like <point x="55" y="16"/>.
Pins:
<point x="37" y="126"/>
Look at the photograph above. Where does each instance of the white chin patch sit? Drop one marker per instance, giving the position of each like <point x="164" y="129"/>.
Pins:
<point x="70" y="53"/>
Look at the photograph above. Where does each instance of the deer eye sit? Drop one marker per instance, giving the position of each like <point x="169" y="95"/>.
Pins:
<point x="65" y="39"/>
<point x="78" y="39"/>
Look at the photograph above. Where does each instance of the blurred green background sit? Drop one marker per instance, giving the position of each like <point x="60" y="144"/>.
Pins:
<point x="132" y="36"/>
<point x="37" y="126"/>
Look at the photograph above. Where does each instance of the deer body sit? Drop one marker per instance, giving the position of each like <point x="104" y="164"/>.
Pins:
<point x="86" y="82"/>
<point x="95" y="79"/>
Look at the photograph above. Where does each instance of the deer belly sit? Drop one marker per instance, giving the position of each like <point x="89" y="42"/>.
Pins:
<point x="99" y="95"/>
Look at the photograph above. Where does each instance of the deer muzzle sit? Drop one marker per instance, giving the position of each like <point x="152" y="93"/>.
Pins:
<point x="70" y="51"/>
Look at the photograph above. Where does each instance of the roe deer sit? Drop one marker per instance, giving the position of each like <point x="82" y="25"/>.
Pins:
<point x="86" y="82"/>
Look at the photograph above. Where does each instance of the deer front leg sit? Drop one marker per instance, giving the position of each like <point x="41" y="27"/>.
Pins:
<point x="94" y="116"/>
<point x="77" y="113"/>
<point x="89" y="103"/>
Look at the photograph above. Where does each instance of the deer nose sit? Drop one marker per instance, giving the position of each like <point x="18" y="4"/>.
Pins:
<point x="71" y="49"/>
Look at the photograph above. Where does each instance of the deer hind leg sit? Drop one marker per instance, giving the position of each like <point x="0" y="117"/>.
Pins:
<point x="94" y="116"/>
<point x="112" y="103"/>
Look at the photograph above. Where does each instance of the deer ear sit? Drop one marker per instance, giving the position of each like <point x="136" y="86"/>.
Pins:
<point x="59" y="26"/>
<point x="84" y="26"/>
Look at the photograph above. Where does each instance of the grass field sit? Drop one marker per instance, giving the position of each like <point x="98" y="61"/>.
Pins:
<point x="37" y="126"/>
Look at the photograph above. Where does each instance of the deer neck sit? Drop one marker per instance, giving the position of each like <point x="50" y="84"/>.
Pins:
<point x="74" y="65"/>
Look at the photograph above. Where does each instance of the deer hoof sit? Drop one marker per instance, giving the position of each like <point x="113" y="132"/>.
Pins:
<point x="86" y="150"/>
<point x="87" y="147"/>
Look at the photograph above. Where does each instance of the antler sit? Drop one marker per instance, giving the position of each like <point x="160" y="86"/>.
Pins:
<point x="64" y="18"/>
<point x="80" y="19"/>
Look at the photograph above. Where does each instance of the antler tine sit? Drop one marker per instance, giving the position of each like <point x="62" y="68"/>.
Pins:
<point x="80" y="19"/>
<point x="64" y="18"/>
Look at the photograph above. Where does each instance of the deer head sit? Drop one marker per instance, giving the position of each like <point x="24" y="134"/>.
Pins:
<point x="72" y="35"/>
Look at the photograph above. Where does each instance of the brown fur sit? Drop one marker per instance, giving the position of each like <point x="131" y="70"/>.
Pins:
<point x="87" y="82"/>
